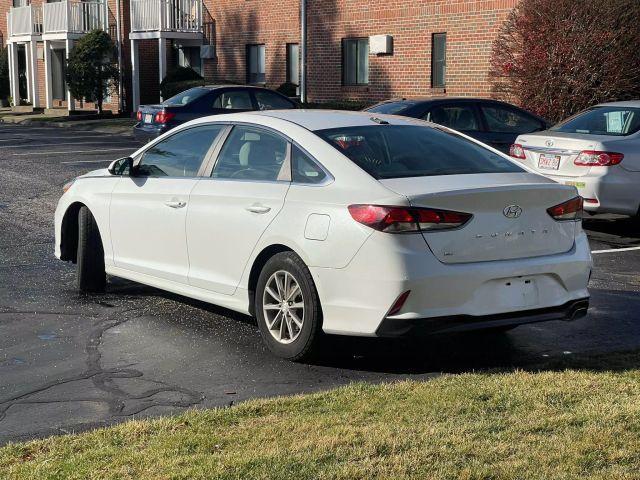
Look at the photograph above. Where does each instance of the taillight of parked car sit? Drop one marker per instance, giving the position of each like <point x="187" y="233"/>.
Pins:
<point x="594" y="158"/>
<point x="569" y="210"/>
<point x="139" y="116"/>
<point x="164" y="117"/>
<point x="516" y="151"/>
<point x="407" y="219"/>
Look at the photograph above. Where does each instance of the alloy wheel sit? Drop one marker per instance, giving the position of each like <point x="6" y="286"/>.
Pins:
<point x="283" y="307"/>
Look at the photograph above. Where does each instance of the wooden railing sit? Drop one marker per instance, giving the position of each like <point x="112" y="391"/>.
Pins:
<point x="166" y="15"/>
<point x="24" y="20"/>
<point x="75" y="17"/>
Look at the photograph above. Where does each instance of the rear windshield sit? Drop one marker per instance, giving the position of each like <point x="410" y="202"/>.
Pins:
<point x="395" y="151"/>
<point x="185" y="97"/>
<point x="390" y="107"/>
<point x="616" y="121"/>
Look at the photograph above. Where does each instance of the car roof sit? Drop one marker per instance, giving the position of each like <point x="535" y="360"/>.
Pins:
<point x="625" y="103"/>
<point x="325" y="119"/>
<point x="230" y="85"/>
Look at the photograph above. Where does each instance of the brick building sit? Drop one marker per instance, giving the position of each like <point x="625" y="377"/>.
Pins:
<point x="362" y="50"/>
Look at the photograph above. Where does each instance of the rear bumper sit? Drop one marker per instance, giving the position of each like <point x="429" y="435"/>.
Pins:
<point x="462" y="323"/>
<point x="615" y="191"/>
<point x="356" y="299"/>
<point x="146" y="133"/>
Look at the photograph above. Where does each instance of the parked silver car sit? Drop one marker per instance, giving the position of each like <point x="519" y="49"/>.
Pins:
<point x="597" y="151"/>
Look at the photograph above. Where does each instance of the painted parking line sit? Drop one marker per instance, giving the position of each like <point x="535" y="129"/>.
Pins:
<point x="615" y="250"/>
<point x="95" y="152"/>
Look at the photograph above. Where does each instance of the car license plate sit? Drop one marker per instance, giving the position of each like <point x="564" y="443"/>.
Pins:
<point x="148" y="118"/>
<point x="549" y="162"/>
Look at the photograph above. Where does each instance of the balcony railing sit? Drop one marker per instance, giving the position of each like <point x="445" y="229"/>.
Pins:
<point x="25" y="20"/>
<point x="75" y="17"/>
<point x="166" y="15"/>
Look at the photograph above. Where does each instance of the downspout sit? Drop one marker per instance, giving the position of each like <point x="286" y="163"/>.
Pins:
<point x="118" y="33"/>
<point x="303" y="51"/>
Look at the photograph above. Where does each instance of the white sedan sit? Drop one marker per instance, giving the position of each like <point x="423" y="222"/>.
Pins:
<point x="597" y="151"/>
<point x="336" y="222"/>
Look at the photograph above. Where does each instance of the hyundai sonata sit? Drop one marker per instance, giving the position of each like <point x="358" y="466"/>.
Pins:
<point x="336" y="222"/>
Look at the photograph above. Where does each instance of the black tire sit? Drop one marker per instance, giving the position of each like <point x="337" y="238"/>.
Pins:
<point x="91" y="277"/>
<point x="304" y="346"/>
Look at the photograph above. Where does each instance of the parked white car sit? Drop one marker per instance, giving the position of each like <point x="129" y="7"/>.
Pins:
<point x="332" y="221"/>
<point x="597" y="151"/>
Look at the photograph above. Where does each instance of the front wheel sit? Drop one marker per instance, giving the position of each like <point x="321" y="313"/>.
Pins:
<point x="91" y="276"/>
<point x="288" y="308"/>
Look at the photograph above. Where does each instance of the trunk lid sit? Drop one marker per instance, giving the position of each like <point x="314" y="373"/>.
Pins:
<point x="149" y="113"/>
<point x="491" y="234"/>
<point x="553" y="153"/>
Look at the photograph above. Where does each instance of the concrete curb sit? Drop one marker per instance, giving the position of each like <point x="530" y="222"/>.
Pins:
<point x="75" y="125"/>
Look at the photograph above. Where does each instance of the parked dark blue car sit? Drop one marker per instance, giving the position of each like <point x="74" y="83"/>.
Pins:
<point x="495" y="123"/>
<point x="154" y="120"/>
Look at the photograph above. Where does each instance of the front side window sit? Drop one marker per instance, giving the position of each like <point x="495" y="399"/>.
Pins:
<point x="271" y="101"/>
<point x="617" y="121"/>
<point x="507" y="120"/>
<point x="458" y="117"/>
<point x="293" y="63"/>
<point x="180" y="155"/>
<point x="233" y="100"/>
<point x="438" y="60"/>
<point x="355" y="61"/>
<point x="397" y="151"/>
<point x="255" y="64"/>
<point x="304" y="169"/>
<point x="251" y="154"/>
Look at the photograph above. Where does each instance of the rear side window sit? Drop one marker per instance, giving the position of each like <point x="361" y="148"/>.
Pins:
<point x="186" y="97"/>
<point x="271" y="101"/>
<point x="304" y="169"/>
<point x="251" y="154"/>
<point x="617" y="121"/>
<point x="508" y="120"/>
<point x="234" y="100"/>
<point x="458" y="117"/>
<point x="180" y="155"/>
<point x="396" y="151"/>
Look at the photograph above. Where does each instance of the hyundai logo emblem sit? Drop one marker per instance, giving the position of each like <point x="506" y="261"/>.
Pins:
<point x="512" y="211"/>
<point x="549" y="143"/>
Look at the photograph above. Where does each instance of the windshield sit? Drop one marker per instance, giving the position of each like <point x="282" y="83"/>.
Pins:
<point x="616" y="121"/>
<point x="390" y="107"/>
<point x="396" y="151"/>
<point x="185" y="97"/>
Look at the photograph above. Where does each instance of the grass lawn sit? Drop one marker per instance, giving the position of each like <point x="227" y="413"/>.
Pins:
<point x="519" y="425"/>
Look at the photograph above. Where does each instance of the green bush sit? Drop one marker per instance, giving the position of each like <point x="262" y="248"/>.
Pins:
<point x="178" y="80"/>
<point x="287" y="89"/>
<point x="4" y="74"/>
<point x="91" y="73"/>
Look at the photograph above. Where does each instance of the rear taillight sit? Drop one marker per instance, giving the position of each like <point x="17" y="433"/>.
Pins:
<point x="139" y="116"/>
<point x="517" y="151"/>
<point x="594" y="158"/>
<point x="569" y="210"/>
<point x="164" y="117"/>
<point x="407" y="219"/>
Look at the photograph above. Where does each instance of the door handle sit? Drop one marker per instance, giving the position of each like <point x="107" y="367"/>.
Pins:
<point x="175" y="203"/>
<point x="258" y="208"/>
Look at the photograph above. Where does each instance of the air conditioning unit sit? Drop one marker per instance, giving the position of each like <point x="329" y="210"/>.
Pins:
<point x="381" y="44"/>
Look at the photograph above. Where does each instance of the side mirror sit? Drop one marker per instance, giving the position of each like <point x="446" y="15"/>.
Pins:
<point x="121" y="166"/>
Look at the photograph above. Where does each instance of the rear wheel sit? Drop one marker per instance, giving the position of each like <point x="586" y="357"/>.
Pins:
<point x="91" y="276"/>
<point x="287" y="307"/>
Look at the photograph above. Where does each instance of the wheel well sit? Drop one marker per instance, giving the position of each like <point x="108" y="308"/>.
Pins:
<point x="69" y="233"/>
<point x="260" y="261"/>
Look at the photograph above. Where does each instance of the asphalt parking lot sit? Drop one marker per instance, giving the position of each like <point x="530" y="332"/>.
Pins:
<point x="69" y="362"/>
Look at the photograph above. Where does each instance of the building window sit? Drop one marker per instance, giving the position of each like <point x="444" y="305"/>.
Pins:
<point x="438" y="60"/>
<point x="190" y="57"/>
<point x="255" y="64"/>
<point x="355" y="61"/>
<point x="293" y="63"/>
